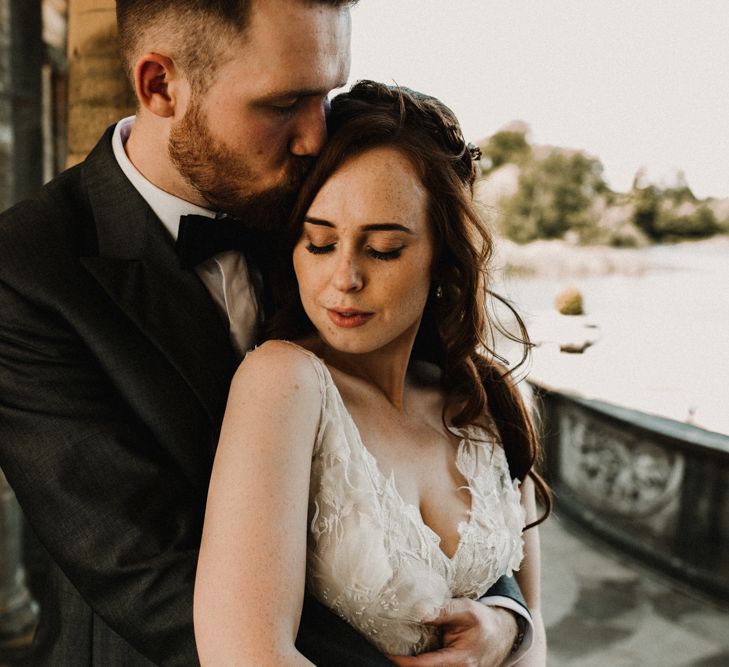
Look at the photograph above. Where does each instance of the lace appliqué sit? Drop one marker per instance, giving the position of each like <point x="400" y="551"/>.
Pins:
<point x="372" y="559"/>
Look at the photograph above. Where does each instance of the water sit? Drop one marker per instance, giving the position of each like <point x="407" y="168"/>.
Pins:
<point x="662" y="335"/>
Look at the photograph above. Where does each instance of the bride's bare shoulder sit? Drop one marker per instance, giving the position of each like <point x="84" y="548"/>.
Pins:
<point x="278" y="366"/>
<point x="276" y="397"/>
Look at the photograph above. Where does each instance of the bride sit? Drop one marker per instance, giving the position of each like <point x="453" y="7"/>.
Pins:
<point x="383" y="461"/>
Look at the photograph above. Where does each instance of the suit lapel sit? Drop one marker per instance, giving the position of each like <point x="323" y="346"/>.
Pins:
<point x="137" y="267"/>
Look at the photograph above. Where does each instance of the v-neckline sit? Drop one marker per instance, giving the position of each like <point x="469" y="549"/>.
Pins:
<point x="374" y="467"/>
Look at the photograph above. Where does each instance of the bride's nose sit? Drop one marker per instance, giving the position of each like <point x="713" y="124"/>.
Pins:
<point x="348" y="275"/>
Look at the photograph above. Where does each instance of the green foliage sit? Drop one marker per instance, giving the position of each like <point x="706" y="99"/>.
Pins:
<point x="679" y="192"/>
<point x="555" y="194"/>
<point x="560" y="191"/>
<point x="647" y="206"/>
<point x="698" y="223"/>
<point x="504" y="147"/>
<point x="723" y="223"/>
<point x="666" y="215"/>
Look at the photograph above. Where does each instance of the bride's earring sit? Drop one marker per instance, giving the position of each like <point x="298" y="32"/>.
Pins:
<point x="439" y="292"/>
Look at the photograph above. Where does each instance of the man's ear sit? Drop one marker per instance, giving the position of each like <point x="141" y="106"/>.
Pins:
<point x="159" y="84"/>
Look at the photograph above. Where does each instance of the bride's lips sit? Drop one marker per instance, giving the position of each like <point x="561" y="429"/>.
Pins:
<point x="348" y="318"/>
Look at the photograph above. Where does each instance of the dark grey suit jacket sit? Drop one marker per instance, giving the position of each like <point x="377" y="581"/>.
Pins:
<point x="114" y="372"/>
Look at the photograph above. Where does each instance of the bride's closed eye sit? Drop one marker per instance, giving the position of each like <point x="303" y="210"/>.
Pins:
<point x="384" y="254"/>
<point x="319" y="249"/>
<point x="374" y="253"/>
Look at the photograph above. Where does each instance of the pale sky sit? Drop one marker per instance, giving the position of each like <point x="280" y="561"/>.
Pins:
<point x="633" y="82"/>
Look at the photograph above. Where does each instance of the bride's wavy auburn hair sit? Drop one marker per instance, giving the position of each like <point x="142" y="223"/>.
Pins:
<point x="456" y="330"/>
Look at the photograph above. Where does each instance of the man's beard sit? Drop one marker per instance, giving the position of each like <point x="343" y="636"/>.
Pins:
<point x="223" y="177"/>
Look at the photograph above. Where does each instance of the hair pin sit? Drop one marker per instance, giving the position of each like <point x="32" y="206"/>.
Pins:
<point x="474" y="150"/>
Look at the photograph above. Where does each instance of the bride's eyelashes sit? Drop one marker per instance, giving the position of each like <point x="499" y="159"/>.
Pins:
<point x="384" y="255"/>
<point x="319" y="249"/>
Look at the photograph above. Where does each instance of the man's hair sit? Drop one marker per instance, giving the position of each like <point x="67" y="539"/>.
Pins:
<point x="197" y="30"/>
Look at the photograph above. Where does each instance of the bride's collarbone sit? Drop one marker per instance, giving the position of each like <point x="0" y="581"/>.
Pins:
<point x="423" y="401"/>
<point x="415" y="448"/>
<point x="417" y="428"/>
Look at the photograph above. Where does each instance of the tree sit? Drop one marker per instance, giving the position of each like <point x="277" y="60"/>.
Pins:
<point x="698" y="222"/>
<point x="555" y="194"/>
<point x="671" y="214"/>
<point x="647" y="204"/>
<point x="504" y="147"/>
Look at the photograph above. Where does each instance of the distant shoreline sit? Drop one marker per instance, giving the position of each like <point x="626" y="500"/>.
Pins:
<point x="560" y="259"/>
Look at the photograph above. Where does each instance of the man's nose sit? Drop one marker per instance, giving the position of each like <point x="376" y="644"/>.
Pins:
<point x="311" y="130"/>
<point x="348" y="276"/>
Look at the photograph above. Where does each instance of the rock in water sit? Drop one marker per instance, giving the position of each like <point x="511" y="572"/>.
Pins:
<point x="569" y="302"/>
<point x="575" y="348"/>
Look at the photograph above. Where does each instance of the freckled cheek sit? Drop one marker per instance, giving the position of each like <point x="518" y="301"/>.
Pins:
<point x="309" y="277"/>
<point x="406" y="296"/>
<point x="417" y="278"/>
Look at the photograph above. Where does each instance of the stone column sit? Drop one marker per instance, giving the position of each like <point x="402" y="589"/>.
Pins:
<point x="21" y="57"/>
<point x="99" y="92"/>
<point x="6" y="126"/>
<point x="21" y="169"/>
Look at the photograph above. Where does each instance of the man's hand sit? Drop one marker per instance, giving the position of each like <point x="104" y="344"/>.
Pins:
<point x="474" y="635"/>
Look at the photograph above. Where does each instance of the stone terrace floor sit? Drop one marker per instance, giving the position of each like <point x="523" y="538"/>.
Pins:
<point x="602" y="610"/>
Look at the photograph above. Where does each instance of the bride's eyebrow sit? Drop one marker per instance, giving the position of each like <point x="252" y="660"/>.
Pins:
<point x="319" y="221"/>
<point x="387" y="227"/>
<point x="378" y="227"/>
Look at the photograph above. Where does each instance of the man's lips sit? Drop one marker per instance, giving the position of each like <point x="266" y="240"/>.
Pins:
<point x="349" y="318"/>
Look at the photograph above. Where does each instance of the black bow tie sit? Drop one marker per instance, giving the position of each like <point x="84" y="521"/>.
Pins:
<point x="199" y="238"/>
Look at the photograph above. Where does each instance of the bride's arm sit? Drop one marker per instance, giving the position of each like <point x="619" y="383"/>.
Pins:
<point x="528" y="578"/>
<point x="250" y="576"/>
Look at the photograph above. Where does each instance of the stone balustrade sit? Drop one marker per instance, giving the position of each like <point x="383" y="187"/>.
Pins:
<point x="656" y="488"/>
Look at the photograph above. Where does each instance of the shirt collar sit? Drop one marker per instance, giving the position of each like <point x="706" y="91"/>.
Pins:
<point x="168" y="208"/>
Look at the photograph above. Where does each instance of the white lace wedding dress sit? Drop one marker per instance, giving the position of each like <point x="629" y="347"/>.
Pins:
<point x="370" y="557"/>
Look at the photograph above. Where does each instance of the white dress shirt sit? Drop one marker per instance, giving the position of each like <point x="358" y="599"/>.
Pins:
<point x="225" y="275"/>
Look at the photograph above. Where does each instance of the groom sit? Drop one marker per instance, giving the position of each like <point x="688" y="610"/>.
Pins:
<point x="115" y="360"/>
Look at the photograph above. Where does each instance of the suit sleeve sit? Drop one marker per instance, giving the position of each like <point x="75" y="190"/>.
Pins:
<point x="506" y="587"/>
<point x="105" y="500"/>
<point x="507" y="594"/>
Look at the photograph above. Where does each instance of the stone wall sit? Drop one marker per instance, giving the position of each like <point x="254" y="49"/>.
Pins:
<point x="99" y="92"/>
